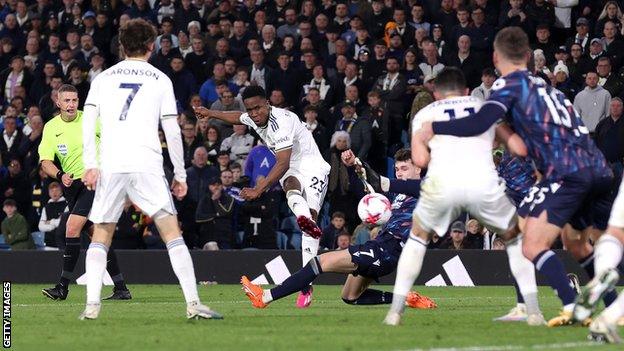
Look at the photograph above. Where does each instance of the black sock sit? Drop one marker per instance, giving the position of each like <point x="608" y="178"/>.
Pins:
<point x="70" y="257"/>
<point x="113" y="269"/>
<point x="372" y="297"/>
<point x="550" y="265"/>
<point x="299" y="280"/>
<point x="588" y="265"/>
<point x="519" y="297"/>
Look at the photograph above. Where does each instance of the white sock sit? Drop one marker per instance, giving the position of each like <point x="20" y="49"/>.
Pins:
<point x="266" y="296"/>
<point x="607" y="253"/>
<point x="615" y="311"/>
<point x="182" y="265"/>
<point x="524" y="272"/>
<point x="408" y="269"/>
<point x="95" y="265"/>
<point x="309" y="248"/>
<point x="298" y="205"/>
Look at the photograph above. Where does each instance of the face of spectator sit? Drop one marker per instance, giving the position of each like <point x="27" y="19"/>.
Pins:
<point x="227" y="98"/>
<point x="9" y="210"/>
<point x="437" y="33"/>
<point x="399" y="16"/>
<point x="380" y="51"/>
<point x="306" y="44"/>
<point x="223" y="160"/>
<point x="377" y="6"/>
<point x="582" y="30"/>
<point x="463" y="16"/>
<point x="305" y="29"/>
<point x="446" y="5"/>
<point x="352" y="93"/>
<point x="351" y="71"/>
<point x="200" y="157"/>
<point x="317" y="72"/>
<point x="239" y="129"/>
<point x="33" y="111"/>
<point x="488" y="80"/>
<point x="166" y="27"/>
<point x="321" y="22"/>
<point x="616" y="108"/>
<point x="202" y="125"/>
<point x="165" y="45"/>
<point x="183" y="39"/>
<point x="290" y="16"/>
<point x="309" y="59"/>
<point x="212" y="134"/>
<point x="609" y="30"/>
<point x="10" y="22"/>
<point x="55" y="192"/>
<point x="591" y="79"/>
<point x="226" y="178"/>
<point x="68" y="104"/>
<point x="542" y="35"/>
<point x="396" y="41"/>
<point x="458" y="235"/>
<point x="218" y="71"/>
<point x="373" y="101"/>
<point x="430" y="52"/>
<point x="222" y="47"/>
<point x="17" y="65"/>
<point x="215" y="188"/>
<point x="310" y="116"/>
<point x="257" y="57"/>
<point x="260" y="18"/>
<point x="463" y="43"/>
<point x="72" y="38"/>
<point x="515" y="4"/>
<point x="347" y="111"/>
<point x="55" y="83"/>
<point x="65" y="55"/>
<point x="406" y="170"/>
<point x="612" y="10"/>
<point x="10" y="125"/>
<point x="595" y="48"/>
<point x="313" y="96"/>
<point x="101" y="19"/>
<point x="32" y="46"/>
<point x="341" y="10"/>
<point x="54" y="42"/>
<point x="603" y="68"/>
<point x="195" y="101"/>
<point x="268" y="34"/>
<point x="277" y="98"/>
<point x="392" y="66"/>
<point x="177" y="64"/>
<point x="188" y="131"/>
<point x="76" y="74"/>
<point x="341" y="143"/>
<point x="198" y="45"/>
<point x="478" y="17"/>
<point x="242" y="76"/>
<point x="239" y="28"/>
<point x="338" y="222"/>
<point x="86" y="42"/>
<point x="417" y="12"/>
<point x="226" y="27"/>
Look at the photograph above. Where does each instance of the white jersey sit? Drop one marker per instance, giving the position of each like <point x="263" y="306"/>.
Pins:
<point x="131" y="98"/>
<point x="453" y="156"/>
<point x="285" y="130"/>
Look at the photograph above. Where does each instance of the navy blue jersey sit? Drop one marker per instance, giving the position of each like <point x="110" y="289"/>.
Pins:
<point x="400" y="222"/>
<point x="518" y="174"/>
<point x="545" y="119"/>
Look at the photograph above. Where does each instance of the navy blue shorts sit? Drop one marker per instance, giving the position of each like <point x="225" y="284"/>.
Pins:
<point x="515" y="196"/>
<point x="582" y="199"/>
<point x="376" y="258"/>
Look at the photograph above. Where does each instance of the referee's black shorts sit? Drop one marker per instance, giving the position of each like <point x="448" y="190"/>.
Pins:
<point x="79" y="198"/>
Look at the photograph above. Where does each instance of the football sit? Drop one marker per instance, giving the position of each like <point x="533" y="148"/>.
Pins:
<point x="374" y="209"/>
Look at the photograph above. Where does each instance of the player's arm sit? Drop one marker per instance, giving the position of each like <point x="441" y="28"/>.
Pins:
<point x="514" y="143"/>
<point x="282" y="162"/>
<point x="171" y="128"/>
<point x="46" y="155"/>
<point x="231" y="117"/>
<point x="420" y="152"/>
<point x="476" y="124"/>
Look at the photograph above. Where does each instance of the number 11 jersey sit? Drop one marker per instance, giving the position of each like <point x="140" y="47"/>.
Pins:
<point x="131" y="98"/>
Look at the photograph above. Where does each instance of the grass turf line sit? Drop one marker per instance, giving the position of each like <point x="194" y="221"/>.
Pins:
<point x="155" y="320"/>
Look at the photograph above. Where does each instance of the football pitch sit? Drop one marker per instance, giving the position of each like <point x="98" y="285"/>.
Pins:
<point x="155" y="320"/>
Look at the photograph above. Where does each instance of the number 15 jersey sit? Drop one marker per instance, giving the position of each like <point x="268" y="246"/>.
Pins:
<point x="131" y="98"/>
<point x="545" y="119"/>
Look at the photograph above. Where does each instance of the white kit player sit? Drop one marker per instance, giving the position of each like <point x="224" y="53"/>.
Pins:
<point x="131" y="99"/>
<point x="449" y="188"/>
<point x="299" y="167"/>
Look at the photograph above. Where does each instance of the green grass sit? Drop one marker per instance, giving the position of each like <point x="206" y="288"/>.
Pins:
<point x="155" y="320"/>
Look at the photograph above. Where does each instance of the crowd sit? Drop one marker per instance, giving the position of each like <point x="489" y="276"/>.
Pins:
<point x="354" y="71"/>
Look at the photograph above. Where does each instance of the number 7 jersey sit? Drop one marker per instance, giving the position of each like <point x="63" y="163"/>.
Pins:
<point x="545" y="119"/>
<point x="131" y="98"/>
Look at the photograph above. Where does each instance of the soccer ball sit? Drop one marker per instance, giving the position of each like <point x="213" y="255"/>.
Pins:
<point x="374" y="209"/>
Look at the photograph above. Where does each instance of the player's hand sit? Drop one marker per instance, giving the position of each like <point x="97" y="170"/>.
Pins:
<point x="201" y="112"/>
<point x="250" y="194"/>
<point x="348" y="158"/>
<point x="179" y="189"/>
<point x="67" y="179"/>
<point x="89" y="179"/>
<point x="425" y="133"/>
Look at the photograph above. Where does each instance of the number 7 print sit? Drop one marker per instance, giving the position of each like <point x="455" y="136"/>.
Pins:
<point x="135" y="88"/>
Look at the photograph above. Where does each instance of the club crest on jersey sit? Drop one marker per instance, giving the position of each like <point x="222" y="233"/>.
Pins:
<point x="62" y="148"/>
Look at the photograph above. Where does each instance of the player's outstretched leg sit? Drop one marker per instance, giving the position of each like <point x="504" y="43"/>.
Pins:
<point x="604" y="327"/>
<point x="120" y="291"/>
<point x="408" y="269"/>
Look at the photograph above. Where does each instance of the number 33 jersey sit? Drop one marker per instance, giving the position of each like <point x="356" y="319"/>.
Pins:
<point x="453" y="156"/>
<point x="131" y="98"/>
<point x="545" y="119"/>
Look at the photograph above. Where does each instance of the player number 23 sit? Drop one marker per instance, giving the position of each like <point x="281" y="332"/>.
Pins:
<point x="134" y="88"/>
<point x="317" y="184"/>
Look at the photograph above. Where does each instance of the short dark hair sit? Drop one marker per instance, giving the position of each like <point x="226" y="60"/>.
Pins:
<point x="488" y="72"/>
<point x="403" y="155"/>
<point x="136" y="36"/>
<point x="67" y="88"/>
<point x="338" y="214"/>
<point x="512" y="43"/>
<point x="450" y="79"/>
<point x="253" y="91"/>
<point x="9" y="202"/>
<point x="235" y="165"/>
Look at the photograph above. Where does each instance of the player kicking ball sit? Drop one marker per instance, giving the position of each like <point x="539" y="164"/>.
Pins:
<point x="444" y="194"/>
<point x="300" y="168"/>
<point x="131" y="99"/>
<point x="367" y="262"/>
<point x="62" y="139"/>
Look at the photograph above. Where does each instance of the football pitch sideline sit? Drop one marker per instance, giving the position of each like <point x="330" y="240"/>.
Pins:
<point x="155" y="320"/>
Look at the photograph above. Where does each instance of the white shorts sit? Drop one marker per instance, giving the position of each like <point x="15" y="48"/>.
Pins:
<point x="617" y="211"/>
<point x="150" y="192"/>
<point x="442" y="200"/>
<point x="314" y="182"/>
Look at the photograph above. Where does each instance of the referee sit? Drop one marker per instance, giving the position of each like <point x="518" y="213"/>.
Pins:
<point x="62" y="139"/>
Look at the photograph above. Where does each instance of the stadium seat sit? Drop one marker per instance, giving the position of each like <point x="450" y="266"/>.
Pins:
<point x="3" y="245"/>
<point x="282" y="240"/>
<point x="39" y="239"/>
<point x="295" y="241"/>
